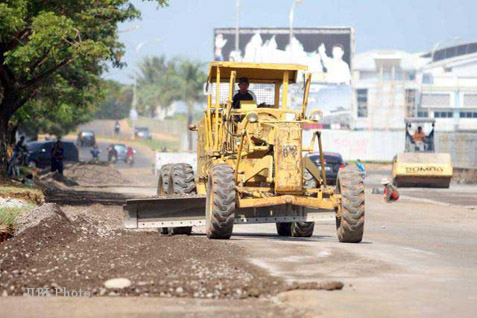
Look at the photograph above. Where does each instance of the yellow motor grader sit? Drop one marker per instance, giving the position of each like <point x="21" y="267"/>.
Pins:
<point x="252" y="166"/>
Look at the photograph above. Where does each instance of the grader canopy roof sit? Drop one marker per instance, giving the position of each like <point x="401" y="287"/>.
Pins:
<point x="262" y="73"/>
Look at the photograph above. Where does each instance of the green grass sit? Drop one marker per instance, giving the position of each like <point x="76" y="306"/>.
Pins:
<point x="6" y="189"/>
<point x="159" y="144"/>
<point x="8" y="216"/>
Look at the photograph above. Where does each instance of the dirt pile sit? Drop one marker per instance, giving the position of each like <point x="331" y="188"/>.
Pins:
<point x="94" y="174"/>
<point x="45" y="212"/>
<point x="69" y="250"/>
<point x="465" y="176"/>
<point x="84" y="174"/>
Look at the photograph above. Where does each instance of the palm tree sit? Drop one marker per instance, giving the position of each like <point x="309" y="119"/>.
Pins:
<point x="191" y="78"/>
<point x="158" y="84"/>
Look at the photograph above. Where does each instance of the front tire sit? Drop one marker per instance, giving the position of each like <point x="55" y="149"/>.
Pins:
<point x="350" y="216"/>
<point x="182" y="182"/>
<point x="164" y="179"/>
<point x="220" y="203"/>
<point x="163" y="187"/>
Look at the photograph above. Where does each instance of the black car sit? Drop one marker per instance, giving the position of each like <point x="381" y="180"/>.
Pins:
<point x="86" y="138"/>
<point x="333" y="163"/>
<point x="39" y="153"/>
<point x="142" y="132"/>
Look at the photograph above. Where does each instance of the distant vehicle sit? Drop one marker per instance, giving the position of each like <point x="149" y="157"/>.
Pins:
<point x="86" y="138"/>
<point x="39" y="153"/>
<point x="420" y="165"/>
<point x="121" y="150"/>
<point x="333" y="163"/>
<point x="142" y="132"/>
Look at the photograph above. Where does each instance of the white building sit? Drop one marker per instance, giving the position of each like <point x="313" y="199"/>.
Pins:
<point x="390" y="85"/>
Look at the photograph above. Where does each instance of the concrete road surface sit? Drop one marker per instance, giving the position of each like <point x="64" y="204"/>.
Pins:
<point x="417" y="259"/>
<point x="142" y="159"/>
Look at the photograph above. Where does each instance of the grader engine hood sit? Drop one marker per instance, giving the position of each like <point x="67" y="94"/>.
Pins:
<point x="288" y="158"/>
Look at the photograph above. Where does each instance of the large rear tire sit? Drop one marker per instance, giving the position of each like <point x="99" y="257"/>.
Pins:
<point x="350" y="217"/>
<point x="284" y="229"/>
<point x="182" y="182"/>
<point x="220" y="203"/>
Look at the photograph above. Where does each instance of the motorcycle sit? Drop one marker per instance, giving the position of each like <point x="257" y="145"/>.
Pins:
<point x="130" y="157"/>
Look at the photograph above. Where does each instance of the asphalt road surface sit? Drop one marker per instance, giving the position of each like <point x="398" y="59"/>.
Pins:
<point x="141" y="158"/>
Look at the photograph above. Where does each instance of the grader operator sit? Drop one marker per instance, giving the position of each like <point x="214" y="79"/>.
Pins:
<point x="251" y="165"/>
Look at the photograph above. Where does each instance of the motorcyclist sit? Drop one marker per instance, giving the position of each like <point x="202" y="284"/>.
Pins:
<point x="112" y="153"/>
<point x="130" y="156"/>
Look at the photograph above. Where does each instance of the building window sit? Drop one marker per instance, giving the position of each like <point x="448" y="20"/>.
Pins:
<point x="470" y="100"/>
<point x="387" y="73"/>
<point x="468" y="114"/>
<point x="362" y="96"/>
<point x="410" y="76"/>
<point x="410" y="101"/>
<point x="365" y="75"/>
<point x="436" y="100"/>
<point x="427" y="79"/>
<point x="423" y="114"/>
<point x="443" y="114"/>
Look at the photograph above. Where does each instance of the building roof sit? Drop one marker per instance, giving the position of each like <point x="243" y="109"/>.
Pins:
<point x="368" y="61"/>
<point x="255" y="72"/>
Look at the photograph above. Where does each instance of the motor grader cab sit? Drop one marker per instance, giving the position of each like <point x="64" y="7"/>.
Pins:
<point x="251" y="164"/>
<point x="419" y="165"/>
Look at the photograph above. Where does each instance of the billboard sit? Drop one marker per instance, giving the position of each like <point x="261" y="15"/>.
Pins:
<point x="327" y="51"/>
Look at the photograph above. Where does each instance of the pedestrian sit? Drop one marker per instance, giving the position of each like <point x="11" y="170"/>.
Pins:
<point x="18" y="150"/>
<point x="117" y="128"/>
<point x="57" y="154"/>
<point x="391" y="193"/>
<point x="361" y="168"/>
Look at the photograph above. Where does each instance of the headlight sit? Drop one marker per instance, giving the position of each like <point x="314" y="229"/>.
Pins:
<point x="252" y="118"/>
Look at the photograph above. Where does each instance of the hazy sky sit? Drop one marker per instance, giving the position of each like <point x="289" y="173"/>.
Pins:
<point x="185" y="28"/>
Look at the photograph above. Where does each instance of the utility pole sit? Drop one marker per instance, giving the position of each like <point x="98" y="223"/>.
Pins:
<point x="291" y="18"/>
<point x="237" y="14"/>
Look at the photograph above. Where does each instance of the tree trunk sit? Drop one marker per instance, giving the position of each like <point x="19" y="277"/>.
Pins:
<point x="190" y="114"/>
<point x="7" y="107"/>
<point x="3" y="146"/>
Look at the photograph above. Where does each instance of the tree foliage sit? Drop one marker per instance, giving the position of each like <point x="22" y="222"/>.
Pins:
<point x="161" y="82"/>
<point x="52" y="53"/>
<point x="117" y="101"/>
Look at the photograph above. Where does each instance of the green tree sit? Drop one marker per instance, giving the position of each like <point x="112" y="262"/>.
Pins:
<point x="117" y="101"/>
<point x="191" y="78"/>
<point x="157" y="84"/>
<point x="53" y="52"/>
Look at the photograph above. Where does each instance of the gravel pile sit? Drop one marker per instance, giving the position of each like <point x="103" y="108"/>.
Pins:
<point x="77" y="251"/>
<point x="94" y="174"/>
<point x="11" y="203"/>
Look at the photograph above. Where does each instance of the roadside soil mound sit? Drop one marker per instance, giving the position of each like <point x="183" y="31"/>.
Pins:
<point x="465" y="176"/>
<point x="94" y="174"/>
<point x="84" y="174"/>
<point x="45" y="212"/>
<point x="52" y="249"/>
